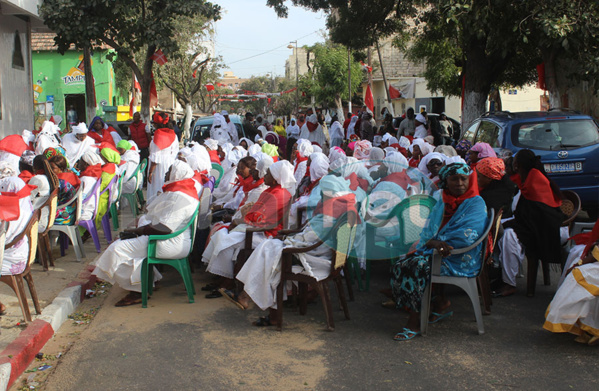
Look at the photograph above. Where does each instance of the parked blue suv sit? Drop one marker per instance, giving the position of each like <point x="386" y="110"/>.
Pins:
<point x="566" y="141"/>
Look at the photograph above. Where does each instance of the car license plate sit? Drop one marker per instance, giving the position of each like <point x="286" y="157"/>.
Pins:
<point x="552" y="168"/>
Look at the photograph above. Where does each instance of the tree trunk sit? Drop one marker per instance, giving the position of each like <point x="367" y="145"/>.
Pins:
<point x="187" y="122"/>
<point x="146" y="84"/>
<point x="474" y="107"/>
<point x="551" y="82"/>
<point x="339" y="105"/>
<point x="90" y="91"/>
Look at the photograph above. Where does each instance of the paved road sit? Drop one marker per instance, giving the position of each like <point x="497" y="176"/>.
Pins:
<point x="211" y="345"/>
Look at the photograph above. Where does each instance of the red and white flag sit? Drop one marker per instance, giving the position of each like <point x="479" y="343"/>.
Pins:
<point x="209" y="87"/>
<point x="366" y="67"/>
<point x="369" y="99"/>
<point x="159" y="57"/>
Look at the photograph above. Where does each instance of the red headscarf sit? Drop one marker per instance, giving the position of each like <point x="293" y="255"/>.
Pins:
<point x="164" y="137"/>
<point x="94" y="171"/>
<point x="536" y="187"/>
<point x="587" y="238"/>
<point x="185" y="186"/>
<point x="14" y="144"/>
<point x="71" y="178"/>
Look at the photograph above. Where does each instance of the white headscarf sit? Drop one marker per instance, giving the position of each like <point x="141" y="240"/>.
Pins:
<point x="212" y="144"/>
<point x="226" y="147"/>
<point x="425" y="147"/>
<point x="234" y="156"/>
<point x="179" y="171"/>
<point x="28" y="136"/>
<point x="202" y="155"/>
<point x="404" y="142"/>
<point x="393" y="140"/>
<point x="313" y="119"/>
<point x="319" y="165"/>
<point x="254" y="150"/>
<point x="6" y="170"/>
<point x="80" y="128"/>
<point x="421" y="118"/>
<point x="190" y="158"/>
<point x="376" y="154"/>
<point x="335" y="153"/>
<point x="316" y="148"/>
<point x="395" y="162"/>
<point x="336" y="130"/>
<point x="92" y="158"/>
<point x="305" y="147"/>
<point x="338" y="163"/>
<point x="454" y="159"/>
<point x="425" y="160"/>
<point x="264" y="164"/>
<point x="282" y="172"/>
<point x="247" y="140"/>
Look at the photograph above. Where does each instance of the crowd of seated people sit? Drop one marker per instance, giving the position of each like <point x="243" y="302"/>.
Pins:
<point x="318" y="177"/>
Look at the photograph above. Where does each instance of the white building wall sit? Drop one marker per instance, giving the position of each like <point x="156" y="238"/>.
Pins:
<point x="527" y="98"/>
<point x="16" y="93"/>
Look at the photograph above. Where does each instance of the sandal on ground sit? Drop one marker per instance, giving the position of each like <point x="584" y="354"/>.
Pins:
<point x="2" y="309"/>
<point x="584" y="338"/>
<point x="128" y="300"/>
<point x="439" y="316"/>
<point x="232" y="297"/>
<point x="406" y="335"/>
<point x="214" y="294"/>
<point x="593" y="341"/>
<point x="390" y="304"/>
<point x="263" y="321"/>
<point x="210" y="287"/>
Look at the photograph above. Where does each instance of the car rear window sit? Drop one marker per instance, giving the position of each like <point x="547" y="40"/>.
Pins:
<point x="557" y="134"/>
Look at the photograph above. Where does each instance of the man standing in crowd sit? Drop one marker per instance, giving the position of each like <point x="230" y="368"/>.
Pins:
<point x="141" y="136"/>
<point x="407" y="126"/>
<point x="248" y="126"/>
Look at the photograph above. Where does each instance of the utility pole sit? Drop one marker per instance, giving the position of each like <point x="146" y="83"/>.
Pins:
<point x="378" y="49"/>
<point x="296" y="76"/>
<point x="349" y="113"/>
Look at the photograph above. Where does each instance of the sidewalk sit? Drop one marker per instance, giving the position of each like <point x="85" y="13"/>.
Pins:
<point x="60" y="290"/>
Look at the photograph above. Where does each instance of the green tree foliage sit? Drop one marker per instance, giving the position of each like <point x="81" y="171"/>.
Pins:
<point x="483" y="42"/>
<point x="327" y="80"/>
<point x="134" y="29"/>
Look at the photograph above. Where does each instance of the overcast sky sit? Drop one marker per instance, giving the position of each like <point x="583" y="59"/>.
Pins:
<point x="249" y="27"/>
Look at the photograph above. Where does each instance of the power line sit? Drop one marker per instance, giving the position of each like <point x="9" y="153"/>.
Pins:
<point x="271" y="50"/>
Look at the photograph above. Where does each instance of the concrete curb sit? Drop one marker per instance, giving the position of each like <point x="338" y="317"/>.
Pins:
<point x="17" y="356"/>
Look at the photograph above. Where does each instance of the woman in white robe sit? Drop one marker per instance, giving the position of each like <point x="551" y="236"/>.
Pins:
<point x="319" y="167"/>
<point x="225" y="244"/>
<point x="14" y="260"/>
<point x="91" y="171"/>
<point x="77" y="143"/>
<point x="163" y="152"/>
<point x="313" y="132"/>
<point x="304" y="150"/>
<point x="129" y="162"/>
<point x="575" y="306"/>
<point x="261" y="274"/>
<point x="168" y="212"/>
<point x="47" y="137"/>
<point x="225" y="190"/>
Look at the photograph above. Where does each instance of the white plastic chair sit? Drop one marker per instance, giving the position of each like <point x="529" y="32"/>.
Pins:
<point x="468" y="284"/>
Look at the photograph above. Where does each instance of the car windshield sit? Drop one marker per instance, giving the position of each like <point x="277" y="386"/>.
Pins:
<point x="556" y="134"/>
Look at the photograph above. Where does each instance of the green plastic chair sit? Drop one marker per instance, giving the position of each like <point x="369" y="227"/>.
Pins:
<point x="113" y="210"/>
<point x="140" y="192"/>
<point x="217" y="172"/>
<point x="181" y="264"/>
<point x="411" y="214"/>
<point x="133" y="198"/>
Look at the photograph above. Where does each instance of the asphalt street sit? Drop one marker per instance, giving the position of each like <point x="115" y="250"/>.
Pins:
<point x="211" y="345"/>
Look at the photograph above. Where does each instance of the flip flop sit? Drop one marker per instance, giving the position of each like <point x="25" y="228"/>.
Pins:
<point x="440" y="317"/>
<point x="229" y="295"/>
<point x="263" y="321"/>
<point x="406" y="335"/>
<point x="125" y="302"/>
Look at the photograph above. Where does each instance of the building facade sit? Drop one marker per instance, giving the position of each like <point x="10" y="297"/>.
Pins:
<point x="18" y="18"/>
<point x="59" y="82"/>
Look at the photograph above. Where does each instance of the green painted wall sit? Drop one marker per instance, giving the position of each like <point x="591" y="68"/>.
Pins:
<point x="58" y="75"/>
